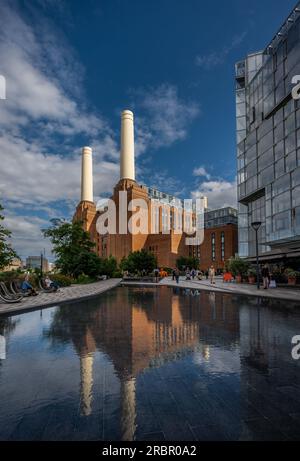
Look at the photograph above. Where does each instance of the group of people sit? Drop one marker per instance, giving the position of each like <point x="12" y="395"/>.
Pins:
<point x="29" y="289"/>
<point x="191" y="274"/>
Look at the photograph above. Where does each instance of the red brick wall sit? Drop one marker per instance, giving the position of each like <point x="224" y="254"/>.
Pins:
<point x="231" y="246"/>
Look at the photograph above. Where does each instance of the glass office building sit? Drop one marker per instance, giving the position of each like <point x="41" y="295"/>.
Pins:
<point x="268" y="143"/>
<point x="220" y="217"/>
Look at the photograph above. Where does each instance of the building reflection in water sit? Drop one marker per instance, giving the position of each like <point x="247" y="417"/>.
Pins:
<point x="142" y="328"/>
<point x="7" y="326"/>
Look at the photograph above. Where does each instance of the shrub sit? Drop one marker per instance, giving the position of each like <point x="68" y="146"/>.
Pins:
<point x="183" y="262"/>
<point x="238" y="266"/>
<point x="139" y="261"/>
<point x="84" y="279"/>
<point x="251" y="272"/>
<point x="62" y="280"/>
<point x="168" y="270"/>
<point x="7" y="276"/>
<point x="108" y="266"/>
<point x="117" y="275"/>
<point x="291" y="272"/>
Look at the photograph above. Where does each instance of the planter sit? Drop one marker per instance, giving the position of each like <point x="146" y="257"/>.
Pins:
<point x="238" y="279"/>
<point x="251" y="279"/>
<point x="292" y="280"/>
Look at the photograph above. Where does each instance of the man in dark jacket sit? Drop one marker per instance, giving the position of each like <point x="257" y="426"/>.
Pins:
<point x="265" y="273"/>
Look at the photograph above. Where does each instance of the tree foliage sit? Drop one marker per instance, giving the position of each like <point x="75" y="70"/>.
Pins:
<point x="108" y="266"/>
<point x="73" y="248"/>
<point x="237" y="266"/>
<point x="183" y="262"/>
<point x="6" y="252"/>
<point x="139" y="261"/>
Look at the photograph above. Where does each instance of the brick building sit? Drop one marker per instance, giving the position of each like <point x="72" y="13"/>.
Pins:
<point x="168" y="220"/>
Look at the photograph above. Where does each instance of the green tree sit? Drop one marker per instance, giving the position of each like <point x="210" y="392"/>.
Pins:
<point x="73" y="248"/>
<point x="183" y="262"/>
<point x="6" y="252"/>
<point x="237" y="266"/>
<point x="108" y="266"/>
<point x="138" y="261"/>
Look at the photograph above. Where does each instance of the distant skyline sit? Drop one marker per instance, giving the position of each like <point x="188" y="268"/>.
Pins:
<point x="72" y="66"/>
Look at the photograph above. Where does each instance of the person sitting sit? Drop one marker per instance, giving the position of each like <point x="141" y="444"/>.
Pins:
<point x="50" y="284"/>
<point x="28" y="288"/>
<point x="188" y="274"/>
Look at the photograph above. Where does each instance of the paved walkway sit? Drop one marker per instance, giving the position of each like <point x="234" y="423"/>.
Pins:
<point x="236" y="288"/>
<point x="64" y="295"/>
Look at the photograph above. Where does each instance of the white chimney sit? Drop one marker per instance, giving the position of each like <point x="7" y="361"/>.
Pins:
<point x="127" y="146"/>
<point x="87" y="175"/>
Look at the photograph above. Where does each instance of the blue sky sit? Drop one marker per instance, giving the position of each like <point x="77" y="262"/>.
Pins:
<point x="72" y="66"/>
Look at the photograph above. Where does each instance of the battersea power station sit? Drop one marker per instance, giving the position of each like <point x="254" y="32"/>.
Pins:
<point x="167" y="225"/>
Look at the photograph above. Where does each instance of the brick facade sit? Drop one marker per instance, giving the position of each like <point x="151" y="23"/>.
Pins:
<point x="166" y="247"/>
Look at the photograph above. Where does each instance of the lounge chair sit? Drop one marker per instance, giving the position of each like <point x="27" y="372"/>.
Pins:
<point x="7" y="296"/>
<point x="16" y="288"/>
<point x="45" y="289"/>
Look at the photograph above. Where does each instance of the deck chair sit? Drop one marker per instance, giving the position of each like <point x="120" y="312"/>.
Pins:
<point x="45" y="289"/>
<point x="8" y="297"/>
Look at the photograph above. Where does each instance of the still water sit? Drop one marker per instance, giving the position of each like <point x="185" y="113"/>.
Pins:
<point x="151" y="364"/>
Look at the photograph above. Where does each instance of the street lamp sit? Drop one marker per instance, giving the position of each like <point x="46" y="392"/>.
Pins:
<point x="256" y="225"/>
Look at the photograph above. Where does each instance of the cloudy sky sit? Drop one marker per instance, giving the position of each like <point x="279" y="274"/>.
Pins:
<point x="72" y="66"/>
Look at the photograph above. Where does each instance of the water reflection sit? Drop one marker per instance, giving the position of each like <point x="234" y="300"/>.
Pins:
<point x="138" y="329"/>
<point x="7" y="325"/>
<point x="154" y="364"/>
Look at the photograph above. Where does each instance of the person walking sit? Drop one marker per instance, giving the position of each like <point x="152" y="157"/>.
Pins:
<point x="193" y="273"/>
<point x="211" y="274"/>
<point x="177" y="275"/>
<point x="173" y="274"/>
<point x="188" y="274"/>
<point x="156" y="274"/>
<point x="265" y="273"/>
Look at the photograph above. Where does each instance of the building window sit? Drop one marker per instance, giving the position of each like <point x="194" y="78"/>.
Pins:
<point x="213" y="246"/>
<point x="222" y="246"/>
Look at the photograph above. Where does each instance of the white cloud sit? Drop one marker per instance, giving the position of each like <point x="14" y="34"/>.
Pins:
<point x="45" y="104"/>
<point x="201" y="171"/>
<point x="167" y="117"/>
<point x="216" y="58"/>
<point x="45" y="114"/>
<point x="220" y="193"/>
<point x="27" y="236"/>
<point x="29" y="175"/>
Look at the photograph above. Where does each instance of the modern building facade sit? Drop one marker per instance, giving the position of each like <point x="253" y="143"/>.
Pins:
<point x="268" y="145"/>
<point x="34" y="262"/>
<point x="169" y="220"/>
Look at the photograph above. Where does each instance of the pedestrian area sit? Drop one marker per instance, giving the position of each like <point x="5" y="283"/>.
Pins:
<point x="238" y="288"/>
<point x="63" y="295"/>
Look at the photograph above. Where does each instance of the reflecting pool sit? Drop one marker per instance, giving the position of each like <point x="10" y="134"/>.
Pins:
<point x="151" y="364"/>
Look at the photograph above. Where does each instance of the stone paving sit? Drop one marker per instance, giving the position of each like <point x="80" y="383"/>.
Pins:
<point x="64" y="295"/>
<point x="243" y="289"/>
<point x="81" y="292"/>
